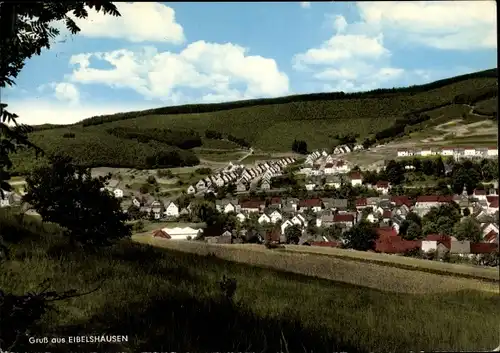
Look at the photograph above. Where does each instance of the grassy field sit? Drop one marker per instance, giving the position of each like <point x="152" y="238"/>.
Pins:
<point x="254" y="158"/>
<point x="474" y="140"/>
<point x="268" y="125"/>
<point x="167" y="300"/>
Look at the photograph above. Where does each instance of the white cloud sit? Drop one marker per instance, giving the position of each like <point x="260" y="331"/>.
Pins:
<point x="462" y="25"/>
<point x="305" y="4"/>
<point x="63" y="91"/>
<point x="216" y="70"/>
<point x="340" y="24"/>
<point x="52" y="111"/>
<point x="139" y="22"/>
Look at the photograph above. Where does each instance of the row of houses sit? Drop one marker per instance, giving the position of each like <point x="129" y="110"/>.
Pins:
<point x="242" y="176"/>
<point x="457" y="152"/>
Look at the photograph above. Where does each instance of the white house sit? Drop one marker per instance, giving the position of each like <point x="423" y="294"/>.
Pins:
<point x="492" y="152"/>
<point x="299" y="220"/>
<point x="404" y="153"/>
<point x="171" y="210"/>
<point x="329" y="168"/>
<point x="429" y="245"/>
<point x="178" y="233"/>
<point x="200" y="185"/>
<point x="229" y="207"/>
<point x="191" y="190"/>
<point x="264" y="218"/>
<point x="469" y="152"/>
<point x="425" y="152"/>
<point x="447" y="151"/>
<point x="275" y="216"/>
<point x="356" y="179"/>
<point x="241" y="217"/>
<point x="310" y="185"/>
<point x="136" y="202"/>
<point x="118" y="193"/>
<point x="285" y="225"/>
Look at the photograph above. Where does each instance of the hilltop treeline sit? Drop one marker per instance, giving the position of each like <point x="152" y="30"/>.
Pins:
<point x="207" y="108"/>
<point x="180" y="138"/>
<point x="474" y="96"/>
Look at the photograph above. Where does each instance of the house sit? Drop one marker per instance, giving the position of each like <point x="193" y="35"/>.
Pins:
<point x="171" y="210"/>
<point x="156" y="208"/>
<point x="356" y="179"/>
<point x="436" y="242"/>
<point x="251" y="206"/>
<point x="430" y="201"/>
<point x="344" y="220"/>
<point x="136" y="202"/>
<point x="184" y="212"/>
<point x="161" y="234"/>
<point x="333" y="181"/>
<point x="329" y="168"/>
<point x="275" y="216"/>
<point x="225" y="238"/>
<point x="401" y="201"/>
<point x="493" y="205"/>
<point x="7" y="200"/>
<point x="358" y="148"/>
<point x="241" y="217"/>
<point x="390" y="242"/>
<point x="404" y="153"/>
<point x="310" y="185"/>
<point x="313" y="204"/>
<point x="492" y="152"/>
<point x="241" y="187"/>
<point x="386" y="215"/>
<point x="325" y="220"/>
<point x="290" y="204"/>
<point x="265" y="185"/>
<point x="488" y="228"/>
<point x="191" y="190"/>
<point x="460" y="247"/>
<point x="274" y="237"/>
<point x="201" y="185"/>
<point x="382" y="187"/>
<point x="285" y="225"/>
<point x="118" y="193"/>
<point x="264" y="218"/>
<point x="372" y="218"/>
<point x="447" y="151"/>
<point x="178" y="233"/>
<point x="469" y="151"/>
<point x="361" y="203"/>
<point x="275" y="202"/>
<point x="479" y="194"/>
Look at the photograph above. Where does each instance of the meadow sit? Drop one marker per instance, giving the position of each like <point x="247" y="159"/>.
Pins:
<point x="168" y="300"/>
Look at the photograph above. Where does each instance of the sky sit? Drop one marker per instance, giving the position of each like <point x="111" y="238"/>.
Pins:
<point x="162" y="54"/>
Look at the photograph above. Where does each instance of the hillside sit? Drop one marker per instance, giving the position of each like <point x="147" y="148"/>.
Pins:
<point x="266" y="124"/>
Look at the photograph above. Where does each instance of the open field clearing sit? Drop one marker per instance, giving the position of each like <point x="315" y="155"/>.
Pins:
<point x="165" y="300"/>
<point x="344" y="270"/>
<point x="220" y="156"/>
<point x="261" y="157"/>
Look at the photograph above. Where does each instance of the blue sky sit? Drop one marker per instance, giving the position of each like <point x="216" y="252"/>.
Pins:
<point x="159" y="54"/>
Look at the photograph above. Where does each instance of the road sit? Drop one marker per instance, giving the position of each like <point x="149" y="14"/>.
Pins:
<point x="250" y="152"/>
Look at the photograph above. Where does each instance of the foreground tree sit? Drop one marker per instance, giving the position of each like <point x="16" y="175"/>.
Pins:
<point x="68" y="195"/>
<point x="293" y="234"/>
<point x="468" y="229"/>
<point x="361" y="237"/>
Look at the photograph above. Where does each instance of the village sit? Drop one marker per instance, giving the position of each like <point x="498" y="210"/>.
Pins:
<point x="258" y="206"/>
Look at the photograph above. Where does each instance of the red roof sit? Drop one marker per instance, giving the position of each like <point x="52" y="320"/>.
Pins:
<point x="251" y="204"/>
<point x="361" y="202"/>
<point x="310" y="203"/>
<point x="396" y="245"/>
<point x="382" y="184"/>
<point x="332" y="244"/>
<point x="434" y="198"/>
<point x="479" y="192"/>
<point x="161" y="234"/>
<point x="483" y="248"/>
<point x="275" y="200"/>
<point x="386" y="232"/>
<point x="440" y="239"/>
<point x="356" y="176"/>
<point x="387" y="214"/>
<point x="401" y="200"/>
<point x="491" y="237"/>
<point x="494" y="204"/>
<point x="491" y="198"/>
<point x="343" y="218"/>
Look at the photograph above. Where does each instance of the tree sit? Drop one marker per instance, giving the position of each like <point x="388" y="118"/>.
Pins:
<point x="395" y="172"/>
<point x="468" y="229"/>
<point x="466" y="212"/>
<point x="361" y="237"/>
<point x="413" y="217"/>
<point x="413" y="232"/>
<point x="445" y="225"/>
<point x="293" y="234"/>
<point x="26" y="29"/>
<point x="429" y="228"/>
<point x="333" y="232"/>
<point x="151" y="180"/>
<point x="68" y="195"/>
<point x="205" y="211"/>
<point x="427" y="167"/>
<point x="438" y="167"/>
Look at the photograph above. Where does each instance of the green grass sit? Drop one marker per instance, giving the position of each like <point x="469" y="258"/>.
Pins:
<point x="220" y="156"/>
<point x="487" y="107"/>
<point x="254" y="158"/>
<point x="166" y="300"/>
<point x="474" y="140"/>
<point x="219" y="144"/>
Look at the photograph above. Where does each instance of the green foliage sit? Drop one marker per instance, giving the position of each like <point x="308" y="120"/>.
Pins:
<point x="468" y="229"/>
<point x="413" y="232"/>
<point x="293" y="234"/>
<point x="67" y="195"/>
<point x="487" y="107"/>
<point x="361" y="237"/>
<point x="299" y="146"/>
<point x="204" y="171"/>
<point x="179" y="138"/>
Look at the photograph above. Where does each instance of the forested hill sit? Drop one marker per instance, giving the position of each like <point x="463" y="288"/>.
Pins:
<point x="170" y="136"/>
